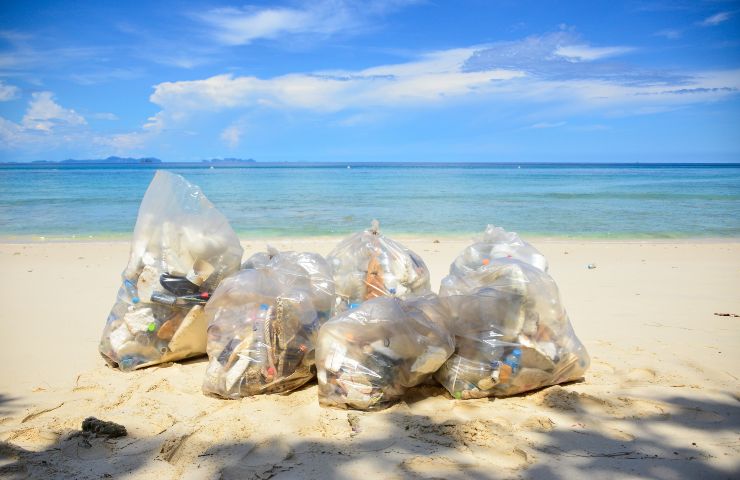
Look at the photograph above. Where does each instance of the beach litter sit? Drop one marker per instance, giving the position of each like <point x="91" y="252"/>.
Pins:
<point x="263" y="323"/>
<point x="182" y="248"/>
<point x="367" y="357"/>
<point x="496" y="329"/>
<point x="512" y="333"/>
<point x="368" y="265"/>
<point x="496" y="243"/>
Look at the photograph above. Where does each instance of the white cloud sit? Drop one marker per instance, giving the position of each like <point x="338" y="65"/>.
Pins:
<point x="155" y="123"/>
<point x="45" y="114"/>
<point x="8" y="92"/>
<point x="241" y="26"/>
<point x="534" y="70"/>
<point x="715" y="19"/>
<point x="232" y="135"/>
<point x="433" y="78"/>
<point x="587" y="53"/>
<point x="47" y="126"/>
<point x="236" y="27"/>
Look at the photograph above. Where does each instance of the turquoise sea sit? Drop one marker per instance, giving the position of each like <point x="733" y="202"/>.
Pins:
<point x="597" y="201"/>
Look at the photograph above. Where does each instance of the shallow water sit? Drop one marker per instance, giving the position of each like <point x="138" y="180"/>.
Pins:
<point x="601" y="201"/>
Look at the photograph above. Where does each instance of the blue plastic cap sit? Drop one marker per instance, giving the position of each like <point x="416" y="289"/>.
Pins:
<point x="354" y="305"/>
<point x="392" y="291"/>
<point x="264" y="306"/>
<point x="135" y="299"/>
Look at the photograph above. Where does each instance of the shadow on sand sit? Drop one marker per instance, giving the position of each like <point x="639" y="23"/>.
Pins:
<point x="619" y="437"/>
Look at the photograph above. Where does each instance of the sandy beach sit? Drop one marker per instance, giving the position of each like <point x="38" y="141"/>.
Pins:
<point x="659" y="401"/>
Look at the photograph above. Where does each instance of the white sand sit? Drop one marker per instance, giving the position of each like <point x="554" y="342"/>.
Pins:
<point x="660" y="400"/>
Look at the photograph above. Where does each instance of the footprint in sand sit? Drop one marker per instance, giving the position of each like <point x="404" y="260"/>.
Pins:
<point x="486" y="440"/>
<point x="435" y="467"/>
<point x="538" y="424"/>
<point x="619" y="435"/>
<point x="557" y="398"/>
<point x="261" y="461"/>
<point x="86" y="449"/>
<point x="640" y="376"/>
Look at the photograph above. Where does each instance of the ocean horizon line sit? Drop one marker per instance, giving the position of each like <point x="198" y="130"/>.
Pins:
<point x="629" y="237"/>
<point x="196" y="164"/>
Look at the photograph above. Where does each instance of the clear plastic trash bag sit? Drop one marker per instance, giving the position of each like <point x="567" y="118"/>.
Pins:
<point x="263" y="323"/>
<point x="496" y="243"/>
<point x="367" y="265"/>
<point x="512" y="332"/>
<point x="367" y="357"/>
<point x="182" y="247"/>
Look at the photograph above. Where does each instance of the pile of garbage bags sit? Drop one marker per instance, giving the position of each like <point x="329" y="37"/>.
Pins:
<point x="367" y="357"/>
<point x="512" y="333"/>
<point x="182" y="248"/>
<point x="363" y="320"/>
<point x="368" y="265"/>
<point x="263" y="323"/>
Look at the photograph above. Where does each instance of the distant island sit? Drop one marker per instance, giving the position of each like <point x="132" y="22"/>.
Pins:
<point x="114" y="161"/>
<point x="104" y="161"/>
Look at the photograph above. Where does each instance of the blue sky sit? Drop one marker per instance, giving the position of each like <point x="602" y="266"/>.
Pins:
<point x="388" y="80"/>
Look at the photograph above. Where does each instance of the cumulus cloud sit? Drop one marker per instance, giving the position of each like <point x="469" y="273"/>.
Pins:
<point x="47" y="125"/>
<point x="241" y="26"/>
<point x="715" y="19"/>
<point x="8" y="92"/>
<point x="434" y="77"/>
<point x="45" y="114"/>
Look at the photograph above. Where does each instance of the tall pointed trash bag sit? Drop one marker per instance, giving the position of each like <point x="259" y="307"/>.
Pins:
<point x="368" y="265"/>
<point x="512" y="333"/>
<point x="181" y="249"/>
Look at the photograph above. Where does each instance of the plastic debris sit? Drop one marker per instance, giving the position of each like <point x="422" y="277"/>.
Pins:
<point x="367" y="357"/>
<point x="512" y="332"/>
<point x="263" y="324"/>
<point x="181" y="249"/>
<point x="496" y="243"/>
<point x="591" y="266"/>
<point x="367" y="265"/>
